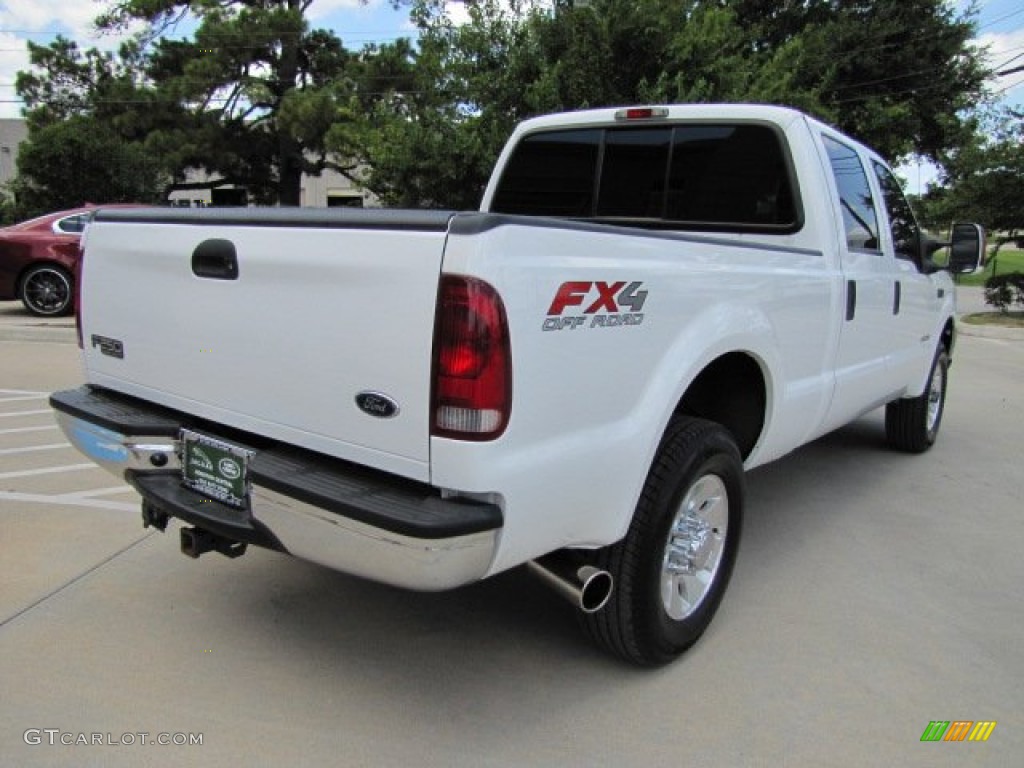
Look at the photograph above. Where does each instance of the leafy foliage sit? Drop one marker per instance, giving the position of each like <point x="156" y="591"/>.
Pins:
<point x="256" y="97"/>
<point x="898" y="74"/>
<point x="1001" y="291"/>
<point x="94" y="163"/>
<point x="984" y="180"/>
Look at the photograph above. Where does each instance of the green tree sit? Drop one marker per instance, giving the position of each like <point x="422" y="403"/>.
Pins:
<point x="984" y="181"/>
<point x="428" y="120"/>
<point x="254" y="80"/>
<point x="93" y="163"/>
<point x="102" y="94"/>
<point x="86" y="130"/>
<point x="898" y="74"/>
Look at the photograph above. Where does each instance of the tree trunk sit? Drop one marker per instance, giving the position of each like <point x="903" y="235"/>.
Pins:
<point x="289" y="184"/>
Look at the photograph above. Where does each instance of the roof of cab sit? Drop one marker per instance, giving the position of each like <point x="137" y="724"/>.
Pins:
<point x="782" y="116"/>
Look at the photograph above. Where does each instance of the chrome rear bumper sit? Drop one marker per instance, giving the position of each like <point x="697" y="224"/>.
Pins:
<point x="349" y="518"/>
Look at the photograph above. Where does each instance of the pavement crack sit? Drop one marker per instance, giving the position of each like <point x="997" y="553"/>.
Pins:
<point x="54" y="592"/>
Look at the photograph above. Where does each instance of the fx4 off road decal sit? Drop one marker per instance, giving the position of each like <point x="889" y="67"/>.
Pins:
<point x="596" y="305"/>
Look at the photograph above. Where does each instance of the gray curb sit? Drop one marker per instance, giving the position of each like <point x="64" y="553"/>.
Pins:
<point x="989" y="331"/>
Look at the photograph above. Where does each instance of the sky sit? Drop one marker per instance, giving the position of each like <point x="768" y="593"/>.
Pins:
<point x="1000" y="27"/>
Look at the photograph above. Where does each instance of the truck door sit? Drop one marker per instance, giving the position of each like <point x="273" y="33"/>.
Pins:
<point x="864" y="377"/>
<point x="918" y="298"/>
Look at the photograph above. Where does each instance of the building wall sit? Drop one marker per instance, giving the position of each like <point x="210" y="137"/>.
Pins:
<point x="328" y="189"/>
<point x="12" y="132"/>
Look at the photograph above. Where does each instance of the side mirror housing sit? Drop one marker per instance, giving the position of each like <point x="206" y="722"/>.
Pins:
<point x="966" y="248"/>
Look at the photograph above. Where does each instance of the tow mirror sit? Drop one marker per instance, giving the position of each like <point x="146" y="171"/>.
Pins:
<point x="966" y="248"/>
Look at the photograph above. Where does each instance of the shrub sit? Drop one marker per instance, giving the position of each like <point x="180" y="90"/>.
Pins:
<point x="1003" y="290"/>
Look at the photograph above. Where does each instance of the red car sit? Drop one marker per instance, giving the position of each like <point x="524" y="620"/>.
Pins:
<point x="38" y="259"/>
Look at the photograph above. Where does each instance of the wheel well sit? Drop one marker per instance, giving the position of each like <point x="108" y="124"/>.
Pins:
<point x="730" y="391"/>
<point x="948" y="336"/>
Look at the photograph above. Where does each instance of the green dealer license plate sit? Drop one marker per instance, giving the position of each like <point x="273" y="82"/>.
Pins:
<point x="215" y="468"/>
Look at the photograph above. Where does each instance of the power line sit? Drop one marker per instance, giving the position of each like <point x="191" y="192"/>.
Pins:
<point x="1001" y="18"/>
<point x="1011" y="86"/>
<point x="1012" y="59"/>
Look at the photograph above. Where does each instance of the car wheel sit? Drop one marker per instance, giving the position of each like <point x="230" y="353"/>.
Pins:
<point x="673" y="565"/>
<point x="46" y="290"/>
<point x="912" y="423"/>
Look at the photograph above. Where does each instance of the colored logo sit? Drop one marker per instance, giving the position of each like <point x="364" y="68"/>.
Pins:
<point x="958" y="730"/>
<point x="229" y="468"/>
<point x="600" y="305"/>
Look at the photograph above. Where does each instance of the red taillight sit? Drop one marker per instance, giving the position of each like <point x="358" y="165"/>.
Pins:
<point x="472" y="382"/>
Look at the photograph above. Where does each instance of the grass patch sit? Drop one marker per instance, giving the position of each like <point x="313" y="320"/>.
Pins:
<point x="1008" y="260"/>
<point x="1002" y="319"/>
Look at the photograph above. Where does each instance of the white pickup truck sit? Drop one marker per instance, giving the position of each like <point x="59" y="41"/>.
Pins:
<point x="649" y="301"/>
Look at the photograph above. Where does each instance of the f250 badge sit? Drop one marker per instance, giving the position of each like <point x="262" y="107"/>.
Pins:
<point x="604" y="305"/>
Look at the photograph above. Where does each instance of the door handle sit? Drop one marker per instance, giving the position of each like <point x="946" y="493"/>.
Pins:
<point x="897" y="294"/>
<point x="851" y="299"/>
<point x="215" y="259"/>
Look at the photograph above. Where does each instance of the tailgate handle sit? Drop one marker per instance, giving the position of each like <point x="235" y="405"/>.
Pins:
<point x="215" y="259"/>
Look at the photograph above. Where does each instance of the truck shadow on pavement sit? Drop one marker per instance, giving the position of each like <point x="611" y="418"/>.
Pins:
<point x="496" y="663"/>
<point x="348" y="626"/>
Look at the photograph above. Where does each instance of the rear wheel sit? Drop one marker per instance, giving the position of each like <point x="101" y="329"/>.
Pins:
<point x="46" y="291"/>
<point x="912" y="423"/>
<point x="673" y="566"/>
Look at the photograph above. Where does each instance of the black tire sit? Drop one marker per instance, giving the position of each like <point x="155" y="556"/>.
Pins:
<point x="912" y="423"/>
<point x="695" y="458"/>
<point x="47" y="291"/>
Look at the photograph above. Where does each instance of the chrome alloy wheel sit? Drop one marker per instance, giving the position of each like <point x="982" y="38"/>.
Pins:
<point x="46" y="291"/>
<point x="935" y="392"/>
<point x="693" y="551"/>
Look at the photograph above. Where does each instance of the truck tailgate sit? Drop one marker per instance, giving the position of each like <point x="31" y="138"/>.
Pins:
<point x="272" y="321"/>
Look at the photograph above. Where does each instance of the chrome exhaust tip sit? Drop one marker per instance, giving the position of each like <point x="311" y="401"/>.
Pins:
<point x="583" y="585"/>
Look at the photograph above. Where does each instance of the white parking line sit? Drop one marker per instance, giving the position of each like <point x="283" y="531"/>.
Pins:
<point x="46" y="471"/>
<point x="98" y="492"/>
<point x="20" y="430"/>
<point x="60" y="501"/>
<point x="18" y="398"/>
<point x="25" y="413"/>
<point x="33" y="449"/>
<point x="23" y="392"/>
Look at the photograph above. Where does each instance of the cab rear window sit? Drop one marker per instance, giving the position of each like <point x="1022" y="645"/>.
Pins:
<point x="729" y="177"/>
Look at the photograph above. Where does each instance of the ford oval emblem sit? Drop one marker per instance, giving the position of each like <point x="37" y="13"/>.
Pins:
<point x="376" y="404"/>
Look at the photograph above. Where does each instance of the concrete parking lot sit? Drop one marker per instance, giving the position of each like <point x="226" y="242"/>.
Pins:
<point x="875" y="592"/>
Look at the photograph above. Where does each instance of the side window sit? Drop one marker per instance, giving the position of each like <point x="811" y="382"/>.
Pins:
<point x="906" y="235"/>
<point x="551" y="174"/>
<point x="859" y="218"/>
<point x="730" y="176"/>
